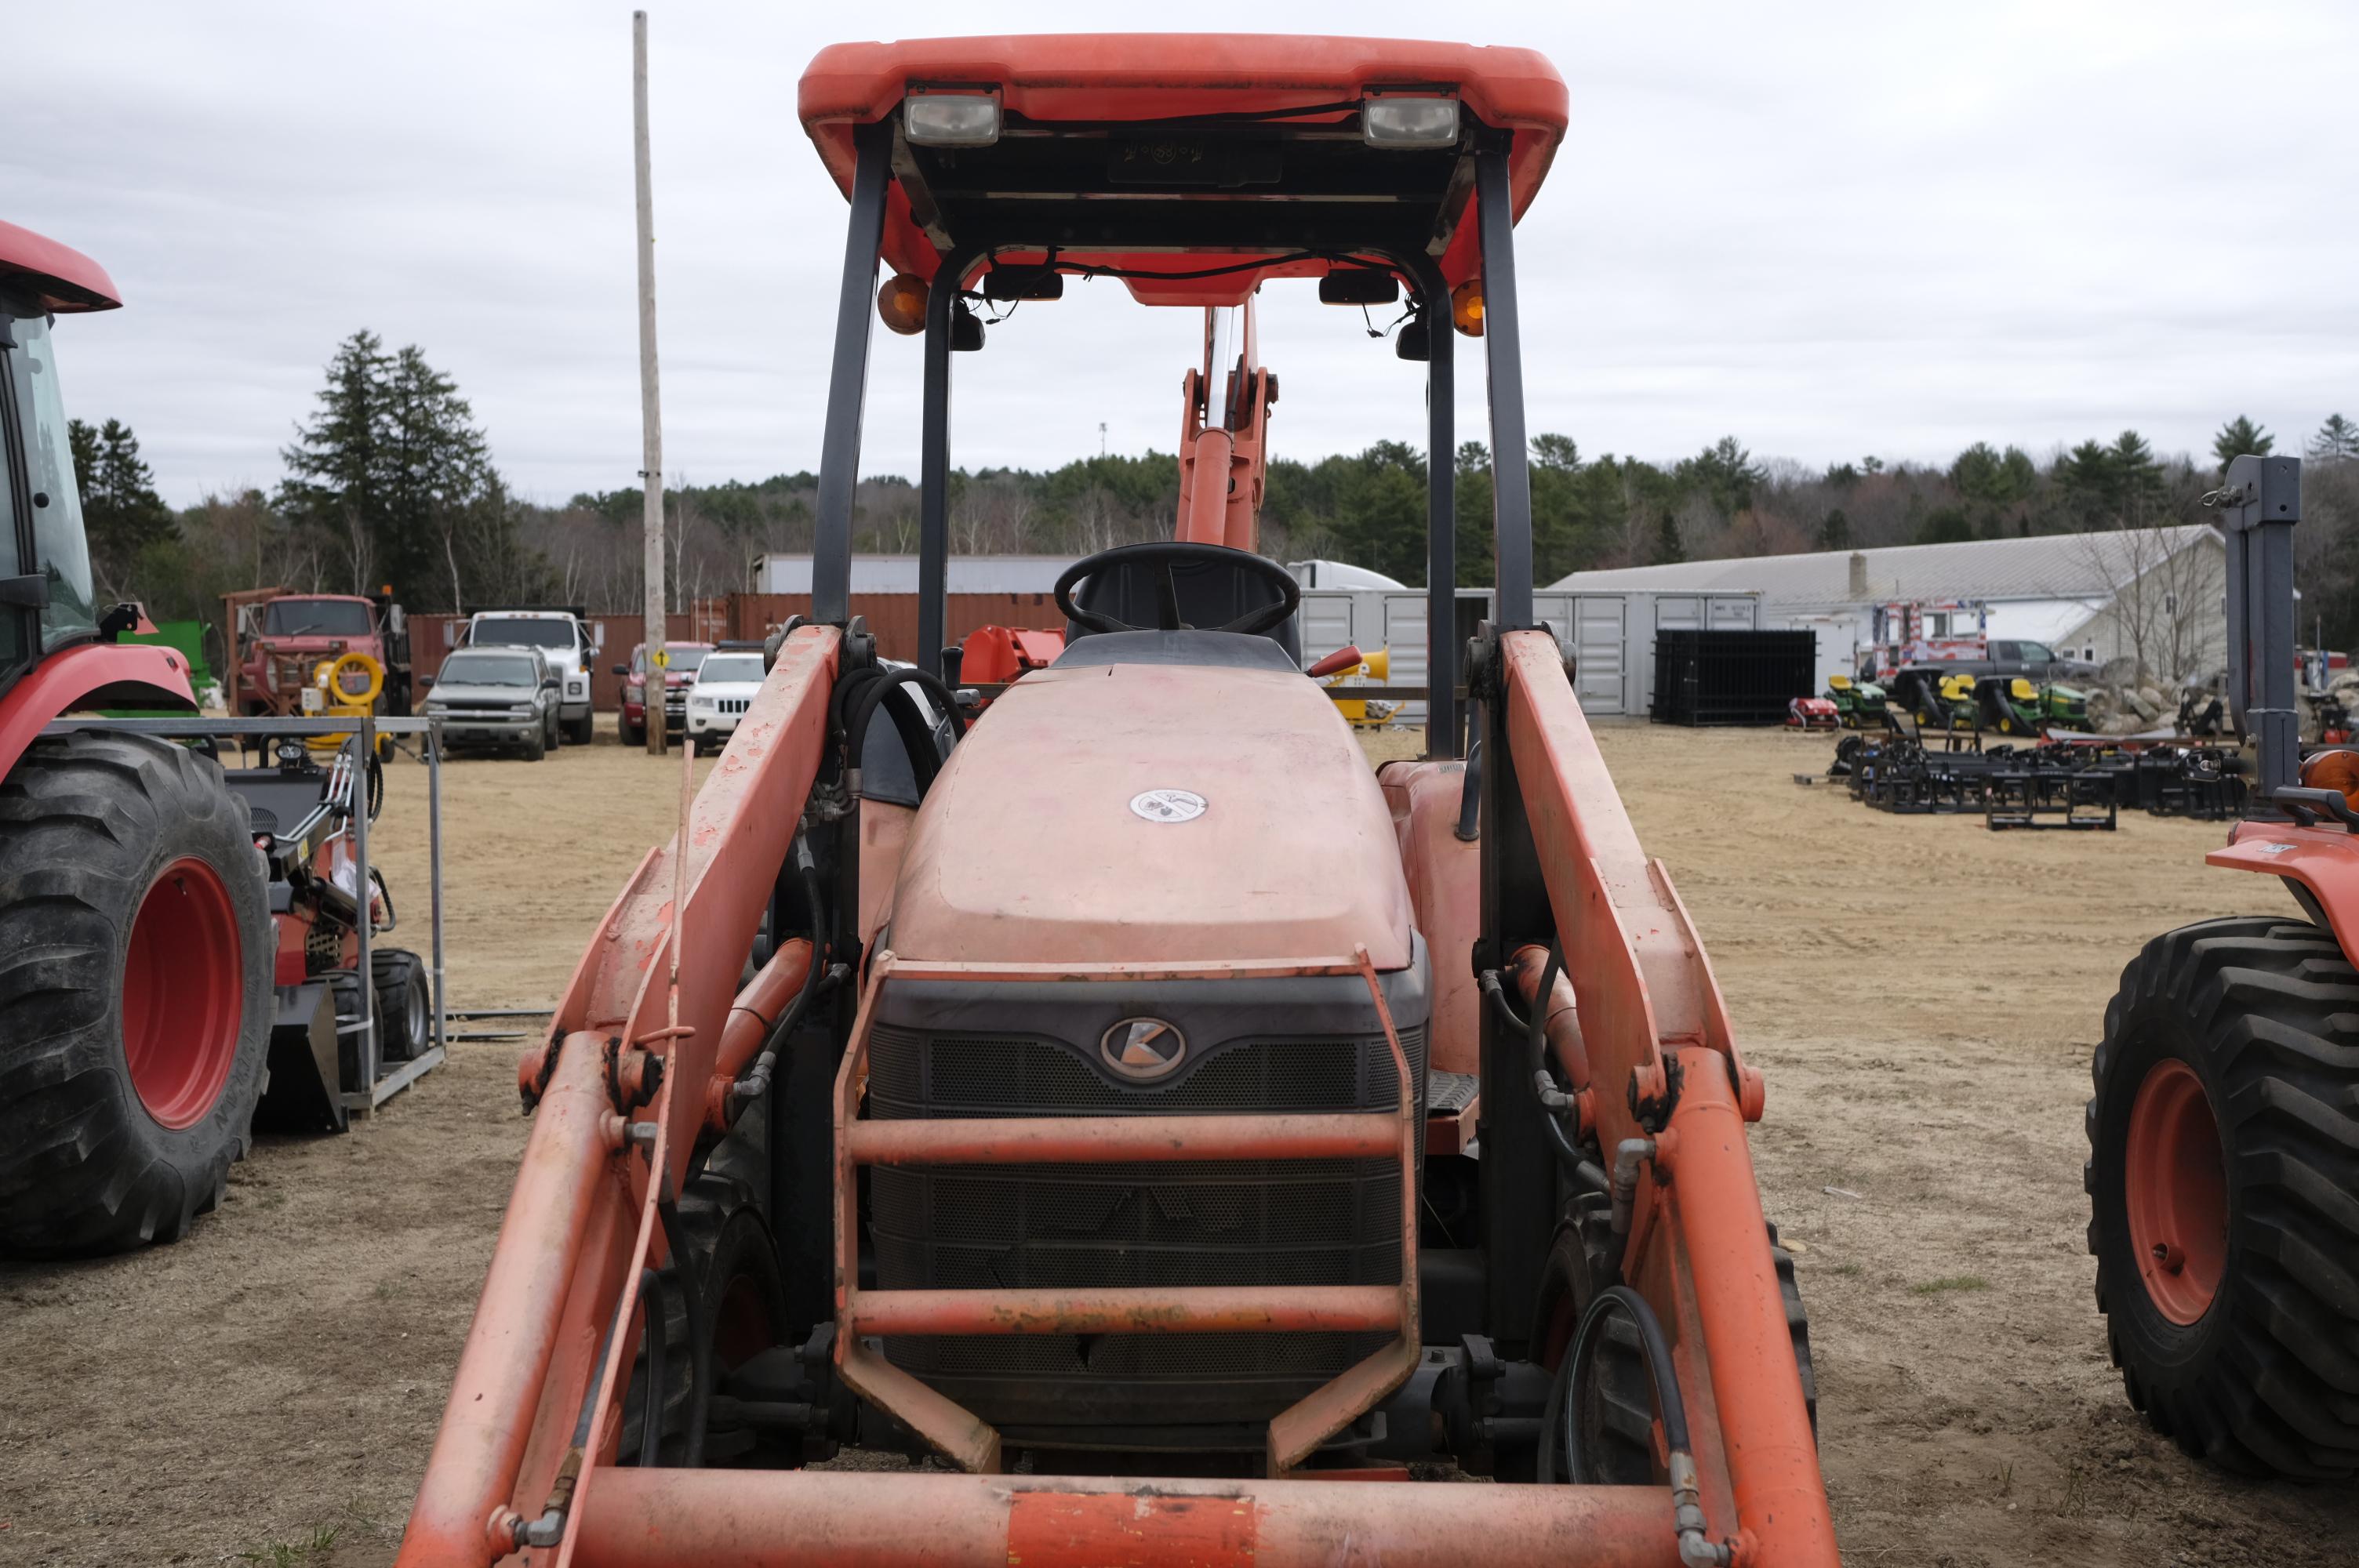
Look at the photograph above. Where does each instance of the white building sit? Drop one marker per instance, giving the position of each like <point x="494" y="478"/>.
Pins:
<point x="2155" y="593"/>
<point x="899" y="574"/>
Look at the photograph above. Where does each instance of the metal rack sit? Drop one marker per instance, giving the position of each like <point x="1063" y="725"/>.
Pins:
<point x="366" y="728"/>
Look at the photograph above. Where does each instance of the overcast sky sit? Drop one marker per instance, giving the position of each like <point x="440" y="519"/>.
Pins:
<point x="1831" y="229"/>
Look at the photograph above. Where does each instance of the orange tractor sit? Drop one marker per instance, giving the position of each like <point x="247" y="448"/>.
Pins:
<point x="135" y="1001"/>
<point x="1185" y="1141"/>
<point x="2223" y="1168"/>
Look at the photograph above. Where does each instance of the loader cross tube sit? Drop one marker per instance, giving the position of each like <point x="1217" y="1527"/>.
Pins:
<point x="1296" y="1432"/>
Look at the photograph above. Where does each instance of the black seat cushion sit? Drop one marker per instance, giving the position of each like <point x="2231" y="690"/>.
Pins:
<point x="1212" y="593"/>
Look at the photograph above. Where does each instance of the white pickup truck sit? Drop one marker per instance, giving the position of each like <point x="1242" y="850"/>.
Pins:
<point x="568" y="642"/>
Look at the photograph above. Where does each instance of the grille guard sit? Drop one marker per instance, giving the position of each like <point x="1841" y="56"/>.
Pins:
<point x="972" y="1443"/>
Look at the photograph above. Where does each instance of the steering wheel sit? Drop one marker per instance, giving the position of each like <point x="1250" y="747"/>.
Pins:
<point x="1170" y="553"/>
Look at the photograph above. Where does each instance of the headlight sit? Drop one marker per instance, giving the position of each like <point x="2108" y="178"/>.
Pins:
<point x="951" y="119"/>
<point x="1407" y="122"/>
<point x="524" y="712"/>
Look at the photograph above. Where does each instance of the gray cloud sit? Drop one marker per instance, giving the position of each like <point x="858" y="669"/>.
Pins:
<point x="1829" y="229"/>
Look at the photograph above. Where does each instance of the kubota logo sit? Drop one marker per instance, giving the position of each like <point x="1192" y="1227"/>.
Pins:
<point x="1143" y="1048"/>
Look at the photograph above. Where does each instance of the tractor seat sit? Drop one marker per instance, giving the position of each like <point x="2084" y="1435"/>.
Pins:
<point x="1210" y="593"/>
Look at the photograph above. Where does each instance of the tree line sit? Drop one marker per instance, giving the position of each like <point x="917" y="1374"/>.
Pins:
<point x="391" y="482"/>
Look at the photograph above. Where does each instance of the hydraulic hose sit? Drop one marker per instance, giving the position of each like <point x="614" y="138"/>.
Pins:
<point x="1562" y="1423"/>
<point x="1555" y="1104"/>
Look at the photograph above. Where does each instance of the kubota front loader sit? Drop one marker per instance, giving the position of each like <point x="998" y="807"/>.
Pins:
<point x="1182" y="1144"/>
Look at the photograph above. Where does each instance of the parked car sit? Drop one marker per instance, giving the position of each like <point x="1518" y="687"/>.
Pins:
<point x="565" y="637"/>
<point x="677" y="675"/>
<point x="725" y="687"/>
<point x="507" y="698"/>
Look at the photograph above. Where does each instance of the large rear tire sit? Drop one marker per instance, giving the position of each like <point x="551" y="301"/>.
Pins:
<point x="134" y="992"/>
<point x="2224" y="1186"/>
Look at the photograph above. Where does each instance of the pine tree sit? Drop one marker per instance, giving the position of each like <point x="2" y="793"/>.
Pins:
<point x="2337" y="441"/>
<point x="393" y="474"/>
<point x="1667" y="547"/>
<point x="2238" y="437"/>
<point x="1834" y="534"/>
<point x="122" y="513"/>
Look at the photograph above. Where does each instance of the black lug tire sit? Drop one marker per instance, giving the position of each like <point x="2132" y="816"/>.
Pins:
<point x="583" y="730"/>
<point x="1620" y="1428"/>
<point x="404" y="1002"/>
<point x="2266" y="1381"/>
<point x="87" y="822"/>
<point x="736" y="1262"/>
<point x="538" y="747"/>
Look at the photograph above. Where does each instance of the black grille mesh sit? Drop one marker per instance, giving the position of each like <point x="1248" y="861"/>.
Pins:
<point x="1329" y="1222"/>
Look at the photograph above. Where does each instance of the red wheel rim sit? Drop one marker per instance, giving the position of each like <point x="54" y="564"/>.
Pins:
<point x="183" y="993"/>
<point x="2175" y="1188"/>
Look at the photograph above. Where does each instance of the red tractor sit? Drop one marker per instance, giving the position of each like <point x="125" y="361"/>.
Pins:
<point x="1184" y="1140"/>
<point x="2223" y="1168"/>
<point x="134" y="925"/>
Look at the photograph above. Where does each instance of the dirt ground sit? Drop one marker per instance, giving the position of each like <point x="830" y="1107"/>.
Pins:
<point x="1921" y="994"/>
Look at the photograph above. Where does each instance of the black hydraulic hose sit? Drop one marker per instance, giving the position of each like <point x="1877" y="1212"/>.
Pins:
<point x="1563" y="1422"/>
<point x="1469" y="798"/>
<point x="651" y="1402"/>
<point x="699" y="1330"/>
<point x="862" y="709"/>
<point x="1554" y="1102"/>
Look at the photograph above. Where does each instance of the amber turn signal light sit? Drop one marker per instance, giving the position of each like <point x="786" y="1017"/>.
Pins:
<point x="1466" y="308"/>
<point x="2335" y="771"/>
<point x="902" y="303"/>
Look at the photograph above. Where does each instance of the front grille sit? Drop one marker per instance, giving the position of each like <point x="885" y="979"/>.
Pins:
<point x="1247" y="1223"/>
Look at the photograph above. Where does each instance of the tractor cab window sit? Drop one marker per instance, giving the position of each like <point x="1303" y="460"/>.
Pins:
<point x="61" y="550"/>
<point x="317" y="618"/>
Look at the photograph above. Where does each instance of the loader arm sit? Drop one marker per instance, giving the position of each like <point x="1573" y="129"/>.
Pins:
<point x="627" y="1060"/>
<point x="1660" y="1043"/>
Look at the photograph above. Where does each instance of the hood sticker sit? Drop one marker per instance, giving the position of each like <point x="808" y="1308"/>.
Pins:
<point x="1167" y="805"/>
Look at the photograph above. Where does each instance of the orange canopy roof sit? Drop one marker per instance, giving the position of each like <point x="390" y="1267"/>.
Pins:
<point x="1132" y="77"/>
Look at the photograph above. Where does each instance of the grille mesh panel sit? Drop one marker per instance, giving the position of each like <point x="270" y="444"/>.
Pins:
<point x="1244" y="1223"/>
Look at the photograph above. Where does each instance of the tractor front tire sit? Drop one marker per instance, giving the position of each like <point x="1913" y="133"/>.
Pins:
<point x="2224" y="1186"/>
<point x="136" y="953"/>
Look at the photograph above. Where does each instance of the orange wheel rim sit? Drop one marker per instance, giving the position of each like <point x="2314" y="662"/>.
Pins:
<point x="183" y="993"/>
<point x="2175" y="1189"/>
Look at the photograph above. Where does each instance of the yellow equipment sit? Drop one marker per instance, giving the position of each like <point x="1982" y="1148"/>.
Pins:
<point x="343" y="687"/>
<point x="1366" y="713"/>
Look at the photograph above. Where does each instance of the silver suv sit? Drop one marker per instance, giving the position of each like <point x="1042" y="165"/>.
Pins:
<point x="504" y="697"/>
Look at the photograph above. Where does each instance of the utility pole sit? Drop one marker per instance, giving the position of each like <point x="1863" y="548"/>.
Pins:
<point x="650" y="398"/>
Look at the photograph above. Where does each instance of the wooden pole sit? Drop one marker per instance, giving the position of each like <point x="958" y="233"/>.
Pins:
<point x="650" y="395"/>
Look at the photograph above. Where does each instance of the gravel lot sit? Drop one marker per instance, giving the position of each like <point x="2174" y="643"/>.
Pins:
<point x="1923" y="995"/>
